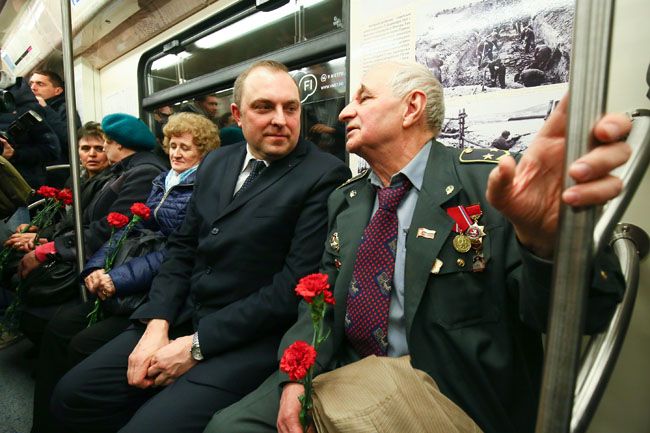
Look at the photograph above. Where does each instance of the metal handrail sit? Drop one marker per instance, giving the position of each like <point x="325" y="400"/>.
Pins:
<point x="634" y="170"/>
<point x="630" y="244"/>
<point x="70" y="106"/>
<point x="57" y="167"/>
<point x="574" y="246"/>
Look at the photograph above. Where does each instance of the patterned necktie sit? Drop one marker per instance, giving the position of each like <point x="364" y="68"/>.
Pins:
<point x="368" y="301"/>
<point x="258" y="166"/>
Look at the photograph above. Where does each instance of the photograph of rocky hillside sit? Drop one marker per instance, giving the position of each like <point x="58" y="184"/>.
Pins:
<point x="504" y="64"/>
<point x="490" y="45"/>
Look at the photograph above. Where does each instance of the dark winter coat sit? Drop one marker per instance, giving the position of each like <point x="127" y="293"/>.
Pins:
<point x="168" y="212"/>
<point x="40" y="146"/>
<point x="130" y="183"/>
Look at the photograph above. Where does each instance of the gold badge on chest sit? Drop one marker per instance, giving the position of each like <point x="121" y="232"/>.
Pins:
<point x="334" y="241"/>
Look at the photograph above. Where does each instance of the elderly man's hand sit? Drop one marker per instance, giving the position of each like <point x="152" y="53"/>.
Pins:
<point x="529" y="193"/>
<point x="289" y="412"/>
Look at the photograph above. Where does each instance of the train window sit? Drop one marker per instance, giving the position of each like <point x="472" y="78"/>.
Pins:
<point x="322" y="92"/>
<point x="257" y="34"/>
<point x="322" y="17"/>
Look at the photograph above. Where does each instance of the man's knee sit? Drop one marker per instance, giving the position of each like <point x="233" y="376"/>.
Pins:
<point x="66" y="402"/>
<point x="255" y="413"/>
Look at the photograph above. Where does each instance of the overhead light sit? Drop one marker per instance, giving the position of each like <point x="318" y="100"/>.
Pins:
<point x="249" y="24"/>
<point x="34" y="15"/>
<point x="169" y="60"/>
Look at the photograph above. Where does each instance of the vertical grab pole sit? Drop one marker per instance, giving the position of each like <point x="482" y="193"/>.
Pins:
<point x="574" y="247"/>
<point x="70" y="106"/>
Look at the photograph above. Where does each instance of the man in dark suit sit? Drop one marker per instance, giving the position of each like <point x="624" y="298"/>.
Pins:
<point x="255" y="225"/>
<point x="468" y="313"/>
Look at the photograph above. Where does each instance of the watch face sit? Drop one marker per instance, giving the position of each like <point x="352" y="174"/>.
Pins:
<point x="196" y="353"/>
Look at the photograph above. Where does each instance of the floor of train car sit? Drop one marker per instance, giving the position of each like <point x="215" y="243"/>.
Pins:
<point x="16" y="388"/>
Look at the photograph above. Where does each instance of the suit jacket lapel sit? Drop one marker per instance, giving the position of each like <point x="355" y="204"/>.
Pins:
<point x="439" y="178"/>
<point x="232" y="168"/>
<point x="350" y="224"/>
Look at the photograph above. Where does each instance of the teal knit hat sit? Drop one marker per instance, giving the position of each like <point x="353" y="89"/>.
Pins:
<point x="129" y="131"/>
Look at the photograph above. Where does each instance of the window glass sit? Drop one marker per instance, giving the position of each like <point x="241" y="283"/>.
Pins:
<point x="321" y="17"/>
<point x="322" y="92"/>
<point x="250" y="37"/>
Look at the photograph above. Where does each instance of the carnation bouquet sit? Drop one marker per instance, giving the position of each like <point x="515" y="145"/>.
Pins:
<point x="117" y="221"/>
<point x="55" y="199"/>
<point x="298" y="359"/>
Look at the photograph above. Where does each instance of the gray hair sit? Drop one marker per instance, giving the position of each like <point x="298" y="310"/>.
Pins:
<point x="411" y="76"/>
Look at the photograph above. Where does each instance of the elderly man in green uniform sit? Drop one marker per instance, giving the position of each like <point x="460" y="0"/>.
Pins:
<point x="467" y="292"/>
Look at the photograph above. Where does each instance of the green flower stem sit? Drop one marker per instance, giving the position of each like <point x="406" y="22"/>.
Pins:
<point x="6" y="252"/>
<point x="10" y="319"/>
<point x="96" y="314"/>
<point x="306" y="403"/>
<point x="48" y="218"/>
<point x="317" y="310"/>
<point x="42" y="220"/>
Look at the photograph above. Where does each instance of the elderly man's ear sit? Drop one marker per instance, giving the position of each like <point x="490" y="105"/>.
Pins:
<point x="414" y="110"/>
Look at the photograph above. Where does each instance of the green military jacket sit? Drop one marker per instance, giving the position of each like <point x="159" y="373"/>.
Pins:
<point x="478" y="334"/>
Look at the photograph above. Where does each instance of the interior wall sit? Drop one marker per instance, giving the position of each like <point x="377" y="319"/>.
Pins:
<point x="625" y="404"/>
<point x="118" y="80"/>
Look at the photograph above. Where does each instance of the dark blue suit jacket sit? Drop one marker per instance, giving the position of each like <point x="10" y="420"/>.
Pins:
<point x="237" y="261"/>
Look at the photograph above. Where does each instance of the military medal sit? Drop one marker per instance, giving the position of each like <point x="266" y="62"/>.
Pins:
<point x="469" y="233"/>
<point x="462" y="243"/>
<point x="478" y="262"/>
<point x="475" y="233"/>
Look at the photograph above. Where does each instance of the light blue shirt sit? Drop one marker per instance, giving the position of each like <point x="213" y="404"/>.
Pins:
<point x="414" y="171"/>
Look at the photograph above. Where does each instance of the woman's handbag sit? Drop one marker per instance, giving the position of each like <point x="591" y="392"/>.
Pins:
<point x="52" y="283"/>
<point x="145" y="242"/>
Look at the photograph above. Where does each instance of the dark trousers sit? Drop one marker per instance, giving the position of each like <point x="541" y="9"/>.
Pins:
<point x="96" y="397"/>
<point x="66" y="341"/>
<point x="255" y="413"/>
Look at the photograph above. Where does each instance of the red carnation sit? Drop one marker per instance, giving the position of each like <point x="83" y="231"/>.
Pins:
<point x="47" y="191"/>
<point x="141" y="210"/>
<point x="313" y="285"/>
<point x="65" y="195"/>
<point x="297" y="359"/>
<point x="117" y="220"/>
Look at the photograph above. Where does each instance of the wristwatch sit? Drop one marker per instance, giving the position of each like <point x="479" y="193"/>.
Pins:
<point x="195" y="351"/>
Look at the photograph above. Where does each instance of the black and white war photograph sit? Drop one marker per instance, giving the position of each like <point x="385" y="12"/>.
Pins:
<point x="503" y="64"/>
